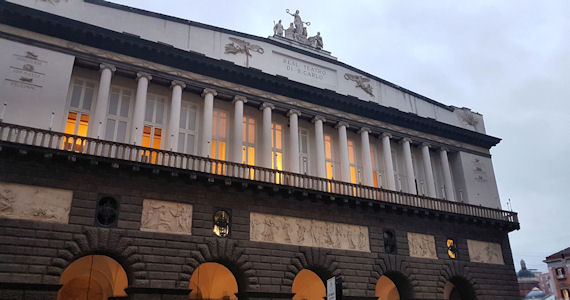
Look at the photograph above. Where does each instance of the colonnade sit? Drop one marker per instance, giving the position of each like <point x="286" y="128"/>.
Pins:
<point x="235" y="154"/>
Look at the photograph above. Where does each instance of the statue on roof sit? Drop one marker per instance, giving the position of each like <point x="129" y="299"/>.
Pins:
<point x="297" y="31"/>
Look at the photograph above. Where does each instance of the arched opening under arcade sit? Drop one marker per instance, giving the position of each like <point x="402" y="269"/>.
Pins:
<point x="307" y="285"/>
<point x="392" y="286"/>
<point x="213" y="281"/>
<point x="458" y="288"/>
<point x="93" y="277"/>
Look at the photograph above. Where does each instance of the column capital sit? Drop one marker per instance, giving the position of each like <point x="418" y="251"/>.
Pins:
<point x="443" y="148"/>
<point x="364" y="129"/>
<point x="341" y="124"/>
<point x="318" y="118"/>
<point x="209" y="91"/>
<point x="239" y="98"/>
<point x="265" y="105"/>
<point x="386" y="134"/>
<point x="406" y="139"/>
<point x="293" y="112"/>
<point x="145" y="75"/>
<point x="177" y="83"/>
<point x="104" y="66"/>
<point x="425" y="144"/>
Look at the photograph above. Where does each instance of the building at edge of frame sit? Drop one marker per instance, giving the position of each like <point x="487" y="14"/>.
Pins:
<point x="149" y="157"/>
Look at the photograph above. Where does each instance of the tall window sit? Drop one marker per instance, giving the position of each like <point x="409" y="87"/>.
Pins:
<point x="187" y="133"/>
<point x="219" y="139"/>
<point x="154" y="123"/>
<point x="80" y="102"/>
<point x="277" y="149"/>
<point x="328" y="157"/>
<point x="304" y="151"/>
<point x="118" y="115"/>
<point x="248" y="139"/>
<point x="375" y="170"/>
<point x="352" y="162"/>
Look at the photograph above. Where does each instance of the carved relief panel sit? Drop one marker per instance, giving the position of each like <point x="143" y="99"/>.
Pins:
<point x="306" y="232"/>
<point x="18" y="201"/>
<point x="165" y="216"/>
<point x="485" y="252"/>
<point x="422" y="245"/>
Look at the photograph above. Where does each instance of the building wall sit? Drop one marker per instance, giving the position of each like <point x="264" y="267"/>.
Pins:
<point x="38" y="252"/>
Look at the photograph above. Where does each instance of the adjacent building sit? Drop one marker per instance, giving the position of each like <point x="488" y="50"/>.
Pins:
<point x="149" y="157"/>
<point x="558" y="266"/>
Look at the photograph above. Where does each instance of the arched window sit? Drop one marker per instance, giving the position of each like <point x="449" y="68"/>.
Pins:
<point x="93" y="277"/>
<point x="308" y="286"/>
<point x="213" y="281"/>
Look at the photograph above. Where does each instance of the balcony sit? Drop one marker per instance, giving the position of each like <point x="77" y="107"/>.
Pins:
<point x="19" y="135"/>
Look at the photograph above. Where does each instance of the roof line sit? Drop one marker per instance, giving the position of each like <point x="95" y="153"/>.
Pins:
<point x="265" y="40"/>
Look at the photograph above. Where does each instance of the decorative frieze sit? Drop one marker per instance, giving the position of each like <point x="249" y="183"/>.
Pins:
<point x="485" y="252"/>
<point x="165" y="216"/>
<point x="307" y="232"/>
<point x="422" y="245"/>
<point x="34" y="203"/>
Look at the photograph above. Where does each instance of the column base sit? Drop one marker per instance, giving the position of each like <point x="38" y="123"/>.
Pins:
<point x="22" y="291"/>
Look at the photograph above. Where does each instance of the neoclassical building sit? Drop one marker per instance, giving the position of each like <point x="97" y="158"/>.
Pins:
<point x="149" y="157"/>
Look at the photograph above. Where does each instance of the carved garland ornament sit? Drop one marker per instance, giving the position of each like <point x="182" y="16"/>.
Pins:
<point x="361" y="82"/>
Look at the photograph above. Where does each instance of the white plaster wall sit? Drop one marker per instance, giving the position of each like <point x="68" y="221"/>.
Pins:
<point x="46" y="93"/>
<point x="212" y="44"/>
<point x="479" y="177"/>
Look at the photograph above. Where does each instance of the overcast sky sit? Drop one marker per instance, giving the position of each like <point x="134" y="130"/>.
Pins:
<point x="508" y="60"/>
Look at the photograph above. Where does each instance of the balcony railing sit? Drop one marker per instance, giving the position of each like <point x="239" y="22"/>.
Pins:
<point x="89" y="146"/>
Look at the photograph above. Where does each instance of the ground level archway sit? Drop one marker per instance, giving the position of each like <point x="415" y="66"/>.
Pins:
<point x="307" y="285"/>
<point x="93" y="277"/>
<point x="458" y="288"/>
<point x="213" y="281"/>
<point x="392" y="286"/>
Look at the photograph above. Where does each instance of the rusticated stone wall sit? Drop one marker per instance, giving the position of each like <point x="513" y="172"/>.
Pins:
<point x="34" y="254"/>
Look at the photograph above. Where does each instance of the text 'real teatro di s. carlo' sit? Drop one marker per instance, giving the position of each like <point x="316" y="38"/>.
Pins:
<point x="144" y="156"/>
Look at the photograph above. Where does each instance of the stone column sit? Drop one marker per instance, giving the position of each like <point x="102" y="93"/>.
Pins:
<point x="366" y="159"/>
<point x="102" y="100"/>
<point x="429" y="172"/>
<point x="207" y="115"/>
<point x="388" y="161"/>
<point x="343" y="151"/>
<point x="449" y="195"/>
<point x="237" y="129"/>
<point x="266" y="140"/>
<point x="174" y="120"/>
<point x="320" y="146"/>
<point x="293" y="140"/>
<point x="140" y="106"/>
<point x="409" y="165"/>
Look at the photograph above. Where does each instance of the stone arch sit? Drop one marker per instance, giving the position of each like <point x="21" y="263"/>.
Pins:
<point x="103" y="241"/>
<point x="308" y="285"/>
<point x="317" y="260"/>
<point x="397" y="270"/>
<point x="213" y="281"/>
<point x="225" y="252"/>
<point x="93" y="276"/>
<point x="457" y="274"/>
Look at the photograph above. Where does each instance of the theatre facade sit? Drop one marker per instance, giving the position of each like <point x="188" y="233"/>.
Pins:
<point x="144" y="156"/>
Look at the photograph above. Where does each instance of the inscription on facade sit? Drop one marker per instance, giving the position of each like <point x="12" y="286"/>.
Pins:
<point x="485" y="252"/>
<point x="306" y="232"/>
<point x="35" y="203"/>
<point x="301" y="70"/>
<point x="422" y="245"/>
<point x="26" y="71"/>
<point x="165" y="216"/>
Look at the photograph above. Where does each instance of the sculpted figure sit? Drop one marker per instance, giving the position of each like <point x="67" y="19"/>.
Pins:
<point x="297" y="21"/>
<point x="319" y="41"/>
<point x="278" y="29"/>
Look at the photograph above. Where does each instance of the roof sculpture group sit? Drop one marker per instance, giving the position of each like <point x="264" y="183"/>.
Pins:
<point x="297" y="31"/>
